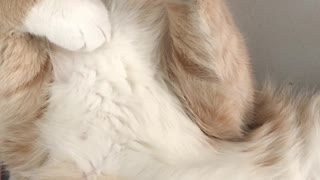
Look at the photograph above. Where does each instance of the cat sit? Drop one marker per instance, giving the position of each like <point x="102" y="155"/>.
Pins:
<point x="140" y="106"/>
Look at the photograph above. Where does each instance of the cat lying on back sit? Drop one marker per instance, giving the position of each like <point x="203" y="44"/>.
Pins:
<point x="73" y="26"/>
<point x="59" y="22"/>
<point x="148" y="103"/>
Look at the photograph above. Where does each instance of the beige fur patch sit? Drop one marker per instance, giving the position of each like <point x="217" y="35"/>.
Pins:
<point x="25" y="73"/>
<point x="208" y="67"/>
<point x="13" y="12"/>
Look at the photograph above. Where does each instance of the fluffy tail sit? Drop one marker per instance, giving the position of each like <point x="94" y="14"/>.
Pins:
<point x="286" y="134"/>
<point x="283" y="144"/>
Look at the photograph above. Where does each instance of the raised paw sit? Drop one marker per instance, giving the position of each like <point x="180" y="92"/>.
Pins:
<point x="71" y="24"/>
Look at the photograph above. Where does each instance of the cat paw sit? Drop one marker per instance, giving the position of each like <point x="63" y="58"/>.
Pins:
<point x="71" y="24"/>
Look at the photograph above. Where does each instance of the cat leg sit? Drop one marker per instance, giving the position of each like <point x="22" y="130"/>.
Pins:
<point x="208" y="66"/>
<point x="71" y="24"/>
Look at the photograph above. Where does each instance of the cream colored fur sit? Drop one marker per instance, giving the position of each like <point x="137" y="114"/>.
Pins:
<point x="158" y="101"/>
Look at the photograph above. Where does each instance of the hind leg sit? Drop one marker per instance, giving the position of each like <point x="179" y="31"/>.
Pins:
<point x="208" y="66"/>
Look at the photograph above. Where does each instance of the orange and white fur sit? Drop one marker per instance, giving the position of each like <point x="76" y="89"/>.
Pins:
<point x="148" y="89"/>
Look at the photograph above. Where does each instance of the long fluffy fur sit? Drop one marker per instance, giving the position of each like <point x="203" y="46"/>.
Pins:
<point x="149" y="104"/>
<point x="208" y="67"/>
<point x="24" y="78"/>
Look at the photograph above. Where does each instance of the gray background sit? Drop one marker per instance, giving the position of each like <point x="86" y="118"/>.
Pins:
<point x="283" y="38"/>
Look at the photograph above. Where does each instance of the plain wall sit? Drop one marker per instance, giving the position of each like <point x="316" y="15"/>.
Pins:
<point x="283" y="37"/>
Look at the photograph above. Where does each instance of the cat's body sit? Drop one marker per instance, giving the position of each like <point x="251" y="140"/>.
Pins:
<point x="131" y="109"/>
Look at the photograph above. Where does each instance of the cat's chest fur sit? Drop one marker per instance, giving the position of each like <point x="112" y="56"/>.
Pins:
<point x="109" y="106"/>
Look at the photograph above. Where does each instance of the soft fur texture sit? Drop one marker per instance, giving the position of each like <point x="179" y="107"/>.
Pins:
<point x="25" y="74"/>
<point x="148" y="104"/>
<point x="13" y="12"/>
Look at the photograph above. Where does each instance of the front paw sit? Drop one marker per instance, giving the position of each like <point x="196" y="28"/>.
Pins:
<point x="71" y="24"/>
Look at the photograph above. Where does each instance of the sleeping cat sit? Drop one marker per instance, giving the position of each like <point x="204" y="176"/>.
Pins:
<point x="158" y="100"/>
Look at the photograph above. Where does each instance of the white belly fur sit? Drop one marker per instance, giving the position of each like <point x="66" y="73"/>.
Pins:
<point x="108" y="108"/>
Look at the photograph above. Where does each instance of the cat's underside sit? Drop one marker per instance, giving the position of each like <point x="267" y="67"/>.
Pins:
<point x="147" y="104"/>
